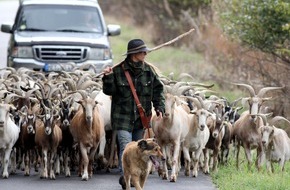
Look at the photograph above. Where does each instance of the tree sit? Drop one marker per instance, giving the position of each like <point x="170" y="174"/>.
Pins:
<point x="260" y="24"/>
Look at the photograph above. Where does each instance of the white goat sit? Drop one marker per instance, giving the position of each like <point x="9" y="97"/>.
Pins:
<point x="105" y="114"/>
<point x="196" y="138"/>
<point x="9" y="133"/>
<point x="276" y="143"/>
<point x="171" y="131"/>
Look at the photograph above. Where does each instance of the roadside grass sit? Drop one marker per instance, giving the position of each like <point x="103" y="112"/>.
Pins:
<point x="229" y="178"/>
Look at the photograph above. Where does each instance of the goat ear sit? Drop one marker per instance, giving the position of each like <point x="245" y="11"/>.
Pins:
<point x="100" y="103"/>
<point x="244" y="101"/>
<point x="142" y="144"/>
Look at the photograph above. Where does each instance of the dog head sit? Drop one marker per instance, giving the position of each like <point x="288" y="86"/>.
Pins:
<point x="151" y="149"/>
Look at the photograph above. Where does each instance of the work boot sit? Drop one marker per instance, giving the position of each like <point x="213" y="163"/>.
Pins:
<point x="122" y="182"/>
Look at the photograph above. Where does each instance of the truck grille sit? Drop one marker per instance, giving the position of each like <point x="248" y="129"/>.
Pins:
<point x="60" y="53"/>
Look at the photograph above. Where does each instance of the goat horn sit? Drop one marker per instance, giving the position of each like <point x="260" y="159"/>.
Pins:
<point x="184" y="75"/>
<point x="201" y="101"/>
<point x="264" y="117"/>
<point x="40" y="76"/>
<point x="70" y="83"/>
<point x="9" y="98"/>
<point x="165" y="81"/>
<point x="65" y="74"/>
<point x="82" y="79"/>
<point x="51" y="75"/>
<point x="201" y="85"/>
<point x="15" y="77"/>
<point x="167" y="89"/>
<point x="181" y="90"/>
<point x="29" y="92"/>
<point x="14" y="90"/>
<point x="94" y="94"/>
<point x="11" y="69"/>
<point x="53" y="90"/>
<point x="262" y="92"/>
<point x="83" y="93"/>
<point x="249" y="87"/>
<point x="279" y="118"/>
<point x="196" y="101"/>
<point x="202" y="93"/>
<point x="177" y="85"/>
<point x="41" y="88"/>
<point x="88" y="83"/>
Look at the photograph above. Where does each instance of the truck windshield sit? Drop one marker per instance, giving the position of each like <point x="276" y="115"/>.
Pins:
<point x="63" y="18"/>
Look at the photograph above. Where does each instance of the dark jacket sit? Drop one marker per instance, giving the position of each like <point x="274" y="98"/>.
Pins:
<point x="124" y="112"/>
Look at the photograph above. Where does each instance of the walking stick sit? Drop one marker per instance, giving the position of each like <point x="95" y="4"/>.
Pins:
<point x="161" y="45"/>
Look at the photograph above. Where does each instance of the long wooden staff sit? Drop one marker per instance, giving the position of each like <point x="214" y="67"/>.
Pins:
<point x="162" y="45"/>
<point x="172" y="41"/>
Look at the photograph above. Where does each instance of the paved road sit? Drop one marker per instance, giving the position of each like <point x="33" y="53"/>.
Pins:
<point x="101" y="181"/>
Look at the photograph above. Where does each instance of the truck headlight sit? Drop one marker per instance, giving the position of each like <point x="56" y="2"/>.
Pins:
<point x="22" y="52"/>
<point x="100" y="54"/>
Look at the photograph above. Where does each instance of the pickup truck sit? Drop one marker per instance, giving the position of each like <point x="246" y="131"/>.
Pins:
<point x="54" y="35"/>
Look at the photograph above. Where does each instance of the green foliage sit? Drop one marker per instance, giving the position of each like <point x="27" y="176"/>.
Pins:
<point x="261" y="24"/>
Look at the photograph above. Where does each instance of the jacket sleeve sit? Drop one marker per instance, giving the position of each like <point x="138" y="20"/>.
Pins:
<point x="158" y="99"/>
<point x="109" y="86"/>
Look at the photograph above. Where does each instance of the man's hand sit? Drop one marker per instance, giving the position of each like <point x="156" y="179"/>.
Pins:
<point x="107" y="70"/>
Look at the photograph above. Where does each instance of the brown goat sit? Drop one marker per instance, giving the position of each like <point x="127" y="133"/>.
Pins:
<point x="226" y="142"/>
<point x="214" y="142"/>
<point x="87" y="128"/>
<point x="48" y="137"/>
<point x="246" y="129"/>
<point x="27" y="137"/>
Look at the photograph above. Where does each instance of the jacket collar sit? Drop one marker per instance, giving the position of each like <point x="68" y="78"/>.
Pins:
<point x="145" y="66"/>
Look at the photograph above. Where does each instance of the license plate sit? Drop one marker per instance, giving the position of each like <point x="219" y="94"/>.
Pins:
<point x="58" y="67"/>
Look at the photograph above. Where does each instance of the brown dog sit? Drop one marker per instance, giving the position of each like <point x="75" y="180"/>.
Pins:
<point x="137" y="159"/>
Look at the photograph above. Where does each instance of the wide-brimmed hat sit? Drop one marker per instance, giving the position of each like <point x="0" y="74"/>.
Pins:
<point x="136" y="46"/>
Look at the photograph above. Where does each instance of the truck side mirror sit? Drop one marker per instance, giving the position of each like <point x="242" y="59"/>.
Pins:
<point x="113" y="30"/>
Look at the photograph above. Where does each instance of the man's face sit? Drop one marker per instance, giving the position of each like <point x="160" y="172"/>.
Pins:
<point x="139" y="56"/>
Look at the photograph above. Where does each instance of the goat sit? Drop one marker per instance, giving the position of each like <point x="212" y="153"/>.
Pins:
<point x="196" y="138"/>
<point x="171" y="130"/>
<point x="276" y="143"/>
<point x="27" y="136"/>
<point x="246" y="131"/>
<point x="9" y="133"/>
<point x="48" y="137"/>
<point x="87" y="129"/>
<point x="217" y="132"/>
<point x="226" y="142"/>
<point x="105" y="113"/>
<point x="67" y="142"/>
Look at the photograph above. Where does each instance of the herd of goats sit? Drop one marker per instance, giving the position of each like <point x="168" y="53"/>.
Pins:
<point x="61" y="120"/>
